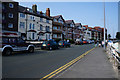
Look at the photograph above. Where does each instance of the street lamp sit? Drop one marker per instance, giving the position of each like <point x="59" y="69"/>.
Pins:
<point x="104" y="27"/>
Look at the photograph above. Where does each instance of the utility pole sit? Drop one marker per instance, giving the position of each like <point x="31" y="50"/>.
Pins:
<point x="104" y="27"/>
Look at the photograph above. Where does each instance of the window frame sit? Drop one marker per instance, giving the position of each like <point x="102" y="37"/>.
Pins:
<point x="10" y="15"/>
<point x="11" y="5"/>
<point x="9" y="25"/>
<point x="22" y="25"/>
<point x="22" y="15"/>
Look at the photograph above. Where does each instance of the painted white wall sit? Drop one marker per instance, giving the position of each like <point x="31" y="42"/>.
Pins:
<point x="21" y="30"/>
<point x="36" y="23"/>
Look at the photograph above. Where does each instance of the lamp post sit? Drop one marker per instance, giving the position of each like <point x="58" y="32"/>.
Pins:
<point x="104" y="27"/>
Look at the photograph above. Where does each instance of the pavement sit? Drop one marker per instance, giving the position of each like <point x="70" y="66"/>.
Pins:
<point x="0" y="66"/>
<point x="94" y="65"/>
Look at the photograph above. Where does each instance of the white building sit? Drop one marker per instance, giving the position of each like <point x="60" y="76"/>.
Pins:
<point x="87" y="33"/>
<point x="34" y="25"/>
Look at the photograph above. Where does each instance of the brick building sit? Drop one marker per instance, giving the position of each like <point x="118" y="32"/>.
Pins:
<point x="57" y="27"/>
<point x="10" y="16"/>
<point x="71" y="27"/>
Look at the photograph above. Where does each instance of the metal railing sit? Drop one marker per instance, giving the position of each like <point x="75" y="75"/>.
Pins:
<point x="114" y="56"/>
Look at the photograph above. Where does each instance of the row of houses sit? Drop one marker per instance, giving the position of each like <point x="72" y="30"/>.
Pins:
<point x="33" y="24"/>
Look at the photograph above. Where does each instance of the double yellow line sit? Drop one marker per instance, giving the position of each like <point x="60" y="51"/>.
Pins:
<point x="57" y="71"/>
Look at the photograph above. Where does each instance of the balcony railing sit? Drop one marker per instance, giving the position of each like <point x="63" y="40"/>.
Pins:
<point x="57" y="31"/>
<point x="57" y="23"/>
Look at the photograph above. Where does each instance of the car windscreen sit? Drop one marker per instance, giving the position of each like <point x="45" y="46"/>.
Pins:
<point x="12" y="40"/>
<point x="54" y="42"/>
<point x="20" y="40"/>
<point x="44" y="42"/>
<point x="60" y="41"/>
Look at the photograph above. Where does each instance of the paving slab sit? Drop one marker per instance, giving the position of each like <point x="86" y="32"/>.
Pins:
<point x="94" y="65"/>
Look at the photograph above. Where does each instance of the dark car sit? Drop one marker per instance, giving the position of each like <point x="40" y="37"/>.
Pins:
<point x="13" y="44"/>
<point x="49" y="45"/>
<point x="85" y="42"/>
<point x="64" y="44"/>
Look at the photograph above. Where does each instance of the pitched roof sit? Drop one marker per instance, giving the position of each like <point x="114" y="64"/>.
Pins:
<point x="21" y="9"/>
<point x="85" y="26"/>
<point x="90" y="28"/>
<point x="57" y="17"/>
<point x="30" y="11"/>
<point x="77" y="24"/>
<point x="69" y="21"/>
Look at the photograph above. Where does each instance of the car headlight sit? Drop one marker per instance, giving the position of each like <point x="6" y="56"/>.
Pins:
<point x="44" y="44"/>
<point x="59" y="43"/>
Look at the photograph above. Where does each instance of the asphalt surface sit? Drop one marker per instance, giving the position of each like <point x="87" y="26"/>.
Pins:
<point x="39" y="63"/>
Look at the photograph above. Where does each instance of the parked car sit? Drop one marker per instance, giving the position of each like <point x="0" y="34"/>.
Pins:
<point x="78" y="42"/>
<point x="89" y="41"/>
<point x="64" y="44"/>
<point x="85" y="42"/>
<point x="92" y="41"/>
<point x="35" y="43"/>
<point x="49" y="45"/>
<point x="12" y="44"/>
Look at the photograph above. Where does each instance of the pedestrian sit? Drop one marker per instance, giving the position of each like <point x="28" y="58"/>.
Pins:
<point x="100" y="43"/>
<point x="96" y="43"/>
<point x="68" y="40"/>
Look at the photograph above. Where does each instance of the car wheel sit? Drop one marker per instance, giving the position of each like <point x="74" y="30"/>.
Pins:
<point x="31" y="49"/>
<point x="7" y="52"/>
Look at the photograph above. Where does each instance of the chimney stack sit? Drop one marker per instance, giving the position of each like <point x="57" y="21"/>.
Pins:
<point x="48" y="12"/>
<point x="34" y="8"/>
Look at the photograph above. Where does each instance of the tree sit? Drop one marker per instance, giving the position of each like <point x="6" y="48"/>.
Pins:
<point x="118" y="35"/>
<point x="109" y="36"/>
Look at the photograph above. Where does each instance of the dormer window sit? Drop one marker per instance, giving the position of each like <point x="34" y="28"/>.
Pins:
<point x="71" y="25"/>
<point x="60" y="21"/>
<point x="30" y="10"/>
<point x="47" y="21"/>
<point x="55" y="20"/>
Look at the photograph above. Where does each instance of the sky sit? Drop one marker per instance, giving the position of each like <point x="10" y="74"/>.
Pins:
<point x="87" y="13"/>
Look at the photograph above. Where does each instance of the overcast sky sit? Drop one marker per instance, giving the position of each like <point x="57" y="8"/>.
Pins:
<point x="87" y="13"/>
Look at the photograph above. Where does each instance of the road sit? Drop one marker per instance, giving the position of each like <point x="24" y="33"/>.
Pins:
<point x="40" y="63"/>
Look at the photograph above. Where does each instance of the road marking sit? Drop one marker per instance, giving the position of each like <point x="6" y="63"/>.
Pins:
<point x="57" y="71"/>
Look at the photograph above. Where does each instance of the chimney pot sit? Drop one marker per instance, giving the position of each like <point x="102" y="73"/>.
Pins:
<point x="48" y="12"/>
<point x="34" y="8"/>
